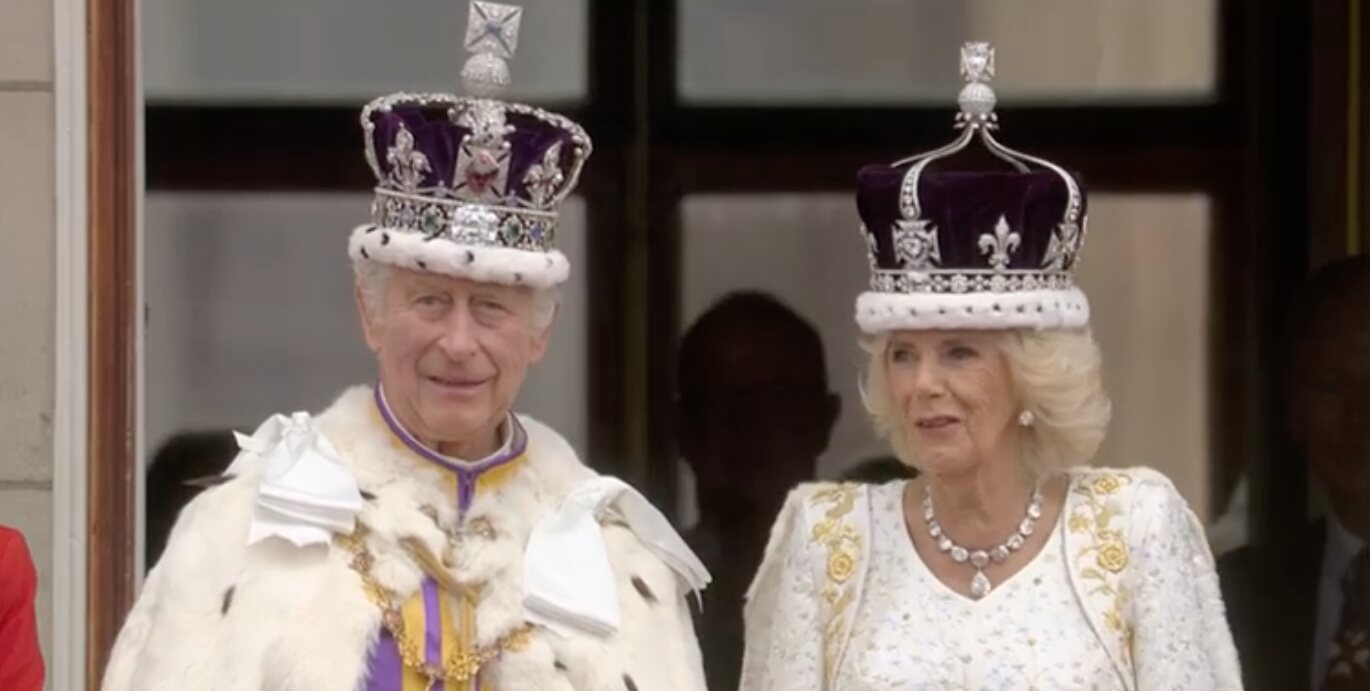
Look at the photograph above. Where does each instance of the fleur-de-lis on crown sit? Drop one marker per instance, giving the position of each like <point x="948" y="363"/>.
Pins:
<point x="543" y="178"/>
<point x="407" y="166"/>
<point x="999" y="245"/>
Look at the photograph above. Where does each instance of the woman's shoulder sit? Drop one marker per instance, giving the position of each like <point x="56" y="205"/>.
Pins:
<point x="1137" y="501"/>
<point x="1138" y="483"/>
<point x="816" y="500"/>
<point x="817" y="512"/>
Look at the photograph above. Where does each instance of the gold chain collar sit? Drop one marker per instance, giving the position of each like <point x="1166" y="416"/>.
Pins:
<point x="460" y="666"/>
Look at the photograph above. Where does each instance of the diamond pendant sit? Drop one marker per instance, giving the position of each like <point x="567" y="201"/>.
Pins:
<point x="979" y="585"/>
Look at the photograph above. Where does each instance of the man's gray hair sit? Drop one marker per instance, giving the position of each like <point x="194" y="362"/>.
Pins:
<point x="371" y="277"/>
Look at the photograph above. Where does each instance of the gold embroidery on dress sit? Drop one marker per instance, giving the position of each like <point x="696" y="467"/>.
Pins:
<point x="1102" y="560"/>
<point x="842" y="543"/>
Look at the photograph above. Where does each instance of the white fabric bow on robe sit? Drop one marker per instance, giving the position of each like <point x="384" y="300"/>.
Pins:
<point x="306" y="494"/>
<point x="567" y="578"/>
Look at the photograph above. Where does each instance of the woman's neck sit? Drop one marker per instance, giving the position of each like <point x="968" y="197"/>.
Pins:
<point x="983" y="506"/>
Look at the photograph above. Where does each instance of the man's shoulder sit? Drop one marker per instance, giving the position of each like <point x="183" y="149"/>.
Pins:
<point x="1267" y="586"/>
<point x="1240" y="574"/>
<point x="1303" y="552"/>
<point x="212" y="530"/>
<point x="1245" y="561"/>
<point x="1271" y="592"/>
<point x="552" y="465"/>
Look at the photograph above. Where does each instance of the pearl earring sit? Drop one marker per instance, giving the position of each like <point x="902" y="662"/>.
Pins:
<point x="1026" y="418"/>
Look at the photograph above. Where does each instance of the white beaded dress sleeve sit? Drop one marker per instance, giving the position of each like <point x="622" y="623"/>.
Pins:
<point x="783" y="650"/>
<point x="1182" y="640"/>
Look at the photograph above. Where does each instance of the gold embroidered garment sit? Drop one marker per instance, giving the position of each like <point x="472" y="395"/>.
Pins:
<point x="1123" y="596"/>
<point x="913" y="632"/>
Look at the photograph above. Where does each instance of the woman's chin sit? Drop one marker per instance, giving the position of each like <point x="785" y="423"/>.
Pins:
<point x="945" y="461"/>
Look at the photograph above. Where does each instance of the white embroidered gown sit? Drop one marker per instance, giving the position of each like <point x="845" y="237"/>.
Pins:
<point x="913" y="633"/>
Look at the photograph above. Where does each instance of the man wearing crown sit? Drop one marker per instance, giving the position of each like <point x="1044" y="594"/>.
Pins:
<point x="420" y="535"/>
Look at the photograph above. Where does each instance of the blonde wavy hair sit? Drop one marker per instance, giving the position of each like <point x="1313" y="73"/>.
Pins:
<point x="1056" y="375"/>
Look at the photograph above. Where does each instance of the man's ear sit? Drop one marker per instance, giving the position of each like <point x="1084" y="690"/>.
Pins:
<point x="370" y="322"/>
<point x="543" y="336"/>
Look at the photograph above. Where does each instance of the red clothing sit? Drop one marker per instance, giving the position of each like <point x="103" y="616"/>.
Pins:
<point x="21" y="662"/>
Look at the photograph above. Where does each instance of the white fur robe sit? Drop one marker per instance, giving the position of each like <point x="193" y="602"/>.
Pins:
<point x="218" y="614"/>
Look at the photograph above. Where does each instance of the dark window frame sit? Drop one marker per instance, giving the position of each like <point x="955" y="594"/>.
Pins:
<point x="652" y="151"/>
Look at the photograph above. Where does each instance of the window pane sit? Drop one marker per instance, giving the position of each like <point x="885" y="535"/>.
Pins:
<point x="805" y="249"/>
<point x="1153" y="333"/>
<point x="344" y="51"/>
<point x="906" y="51"/>
<point x="250" y="312"/>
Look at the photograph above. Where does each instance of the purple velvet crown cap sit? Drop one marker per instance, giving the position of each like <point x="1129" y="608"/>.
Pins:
<point x="961" y="207"/>
<point x="438" y="135"/>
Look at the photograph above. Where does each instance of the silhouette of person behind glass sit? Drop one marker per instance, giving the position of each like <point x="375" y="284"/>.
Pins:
<point x="754" y="413"/>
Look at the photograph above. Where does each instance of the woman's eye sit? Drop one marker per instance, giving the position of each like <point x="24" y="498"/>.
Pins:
<point x="962" y="352"/>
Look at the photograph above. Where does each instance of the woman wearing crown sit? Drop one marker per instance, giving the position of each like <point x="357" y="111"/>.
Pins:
<point x="419" y="535"/>
<point x="1009" y="564"/>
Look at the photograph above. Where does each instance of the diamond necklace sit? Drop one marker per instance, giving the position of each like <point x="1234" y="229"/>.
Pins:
<point x="980" y="558"/>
